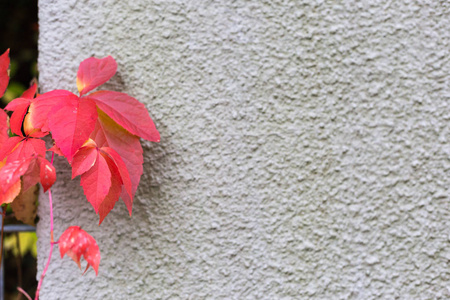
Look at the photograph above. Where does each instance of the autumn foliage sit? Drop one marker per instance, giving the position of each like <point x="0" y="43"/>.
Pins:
<point x="97" y="132"/>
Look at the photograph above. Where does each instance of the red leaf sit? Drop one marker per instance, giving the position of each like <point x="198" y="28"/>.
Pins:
<point x="3" y="127"/>
<point x="29" y="130"/>
<point x="30" y="92"/>
<point x="72" y="123"/>
<point x="31" y="176"/>
<point x="43" y="104"/>
<point x="114" y="192"/>
<point x="96" y="182"/>
<point x="4" y="67"/>
<point x="26" y="148"/>
<point x="8" y="146"/>
<point x="11" y="173"/>
<point x="83" y="160"/>
<point x="19" y="107"/>
<point x="47" y="173"/>
<point x="121" y="168"/>
<point x="127" y="112"/>
<point x="10" y="194"/>
<point x="76" y="242"/>
<point x="56" y="150"/>
<point x="94" y="72"/>
<point x="109" y="134"/>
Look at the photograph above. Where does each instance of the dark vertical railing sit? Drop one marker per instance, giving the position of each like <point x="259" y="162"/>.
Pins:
<point x="10" y="229"/>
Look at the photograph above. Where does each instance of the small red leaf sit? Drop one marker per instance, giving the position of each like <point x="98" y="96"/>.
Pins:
<point x="75" y="242"/>
<point x="127" y="112"/>
<point x="47" y="173"/>
<point x="56" y="150"/>
<point x="72" y="123"/>
<point x="96" y="182"/>
<point x="4" y="76"/>
<point x="30" y="92"/>
<point x="94" y="72"/>
<point x="83" y="160"/>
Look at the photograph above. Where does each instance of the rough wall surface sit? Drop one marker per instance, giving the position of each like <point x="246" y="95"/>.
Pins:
<point x="305" y="149"/>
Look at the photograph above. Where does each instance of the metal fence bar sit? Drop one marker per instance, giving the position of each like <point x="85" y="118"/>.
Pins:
<point x="19" y="228"/>
<point x="9" y="229"/>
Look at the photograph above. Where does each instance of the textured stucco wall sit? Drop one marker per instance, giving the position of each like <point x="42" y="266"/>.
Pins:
<point x="305" y="149"/>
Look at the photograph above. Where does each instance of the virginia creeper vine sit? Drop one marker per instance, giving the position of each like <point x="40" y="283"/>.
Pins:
<point x="98" y="133"/>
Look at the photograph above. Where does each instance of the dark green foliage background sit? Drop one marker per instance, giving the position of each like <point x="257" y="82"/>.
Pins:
<point x="19" y="32"/>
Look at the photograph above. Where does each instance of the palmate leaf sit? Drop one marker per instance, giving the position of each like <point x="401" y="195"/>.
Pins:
<point x="75" y="242"/>
<point x="115" y="121"/>
<point x="103" y="173"/>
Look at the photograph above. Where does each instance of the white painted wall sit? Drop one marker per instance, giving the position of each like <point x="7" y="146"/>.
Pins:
<point x="304" y="149"/>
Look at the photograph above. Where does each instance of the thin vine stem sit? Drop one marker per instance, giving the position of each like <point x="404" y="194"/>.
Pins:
<point x="24" y="293"/>
<point x="52" y="243"/>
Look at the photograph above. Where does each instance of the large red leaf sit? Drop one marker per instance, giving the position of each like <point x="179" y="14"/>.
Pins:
<point x="43" y="104"/>
<point x="3" y="127"/>
<point x="94" y="72"/>
<point x="109" y="134"/>
<point x="4" y="76"/>
<point x="76" y="242"/>
<point x="127" y="112"/>
<point x="96" y="182"/>
<point x="72" y="123"/>
<point x="83" y="160"/>
<point x="114" y="192"/>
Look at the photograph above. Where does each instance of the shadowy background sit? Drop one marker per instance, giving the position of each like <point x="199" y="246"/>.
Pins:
<point x="19" y="32"/>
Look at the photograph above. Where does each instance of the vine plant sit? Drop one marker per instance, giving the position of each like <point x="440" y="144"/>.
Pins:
<point x="98" y="133"/>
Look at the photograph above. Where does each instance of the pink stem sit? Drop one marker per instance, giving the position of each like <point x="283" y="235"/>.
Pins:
<point x="51" y="239"/>
<point x="24" y="293"/>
